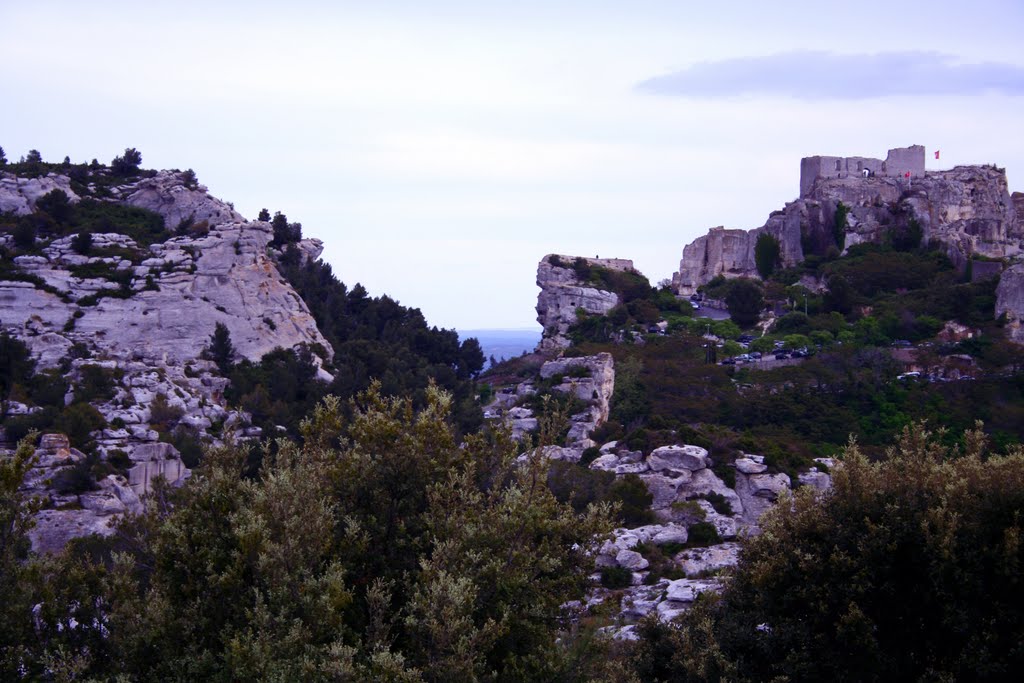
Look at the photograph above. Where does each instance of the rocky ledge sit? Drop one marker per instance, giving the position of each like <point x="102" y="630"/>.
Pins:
<point x="562" y="293"/>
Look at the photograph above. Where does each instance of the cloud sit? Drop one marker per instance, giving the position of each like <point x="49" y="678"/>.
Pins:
<point x="812" y="75"/>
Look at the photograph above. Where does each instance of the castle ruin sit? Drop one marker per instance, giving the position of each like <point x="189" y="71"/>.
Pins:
<point x="898" y="162"/>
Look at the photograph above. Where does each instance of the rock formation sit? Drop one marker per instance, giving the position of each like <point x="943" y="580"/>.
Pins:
<point x="562" y="293"/>
<point x="70" y="515"/>
<point x="1010" y="301"/>
<point x="590" y="379"/>
<point x="143" y="315"/>
<point x="968" y="209"/>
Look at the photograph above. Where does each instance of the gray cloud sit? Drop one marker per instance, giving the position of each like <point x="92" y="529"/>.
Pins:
<point x="829" y="76"/>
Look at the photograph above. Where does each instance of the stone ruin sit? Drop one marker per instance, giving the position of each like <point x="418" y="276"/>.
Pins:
<point x="898" y="162"/>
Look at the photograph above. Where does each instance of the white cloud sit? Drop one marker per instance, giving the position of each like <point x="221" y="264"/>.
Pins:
<point x="818" y="75"/>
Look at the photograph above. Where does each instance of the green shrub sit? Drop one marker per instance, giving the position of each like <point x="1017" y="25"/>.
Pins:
<point x="616" y="577"/>
<point x="702" y="534"/>
<point x="75" y="479"/>
<point x="589" y="455"/>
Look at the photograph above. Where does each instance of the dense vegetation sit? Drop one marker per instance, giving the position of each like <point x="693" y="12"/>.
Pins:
<point x="380" y="549"/>
<point x="846" y="382"/>
<point x="377" y="538"/>
<point x="908" y="569"/>
<point x="376" y="338"/>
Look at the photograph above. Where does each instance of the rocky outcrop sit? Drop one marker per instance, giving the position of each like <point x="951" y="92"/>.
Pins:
<point x="141" y="315"/>
<point x="967" y="208"/>
<point x="177" y="293"/>
<point x="730" y="253"/>
<point x="562" y="293"/>
<point x="19" y="195"/>
<point x="69" y="514"/>
<point x="167" y="194"/>
<point x="590" y="379"/>
<point x="1010" y="301"/>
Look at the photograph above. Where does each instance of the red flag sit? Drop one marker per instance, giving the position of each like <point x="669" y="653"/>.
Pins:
<point x="907" y="174"/>
<point x="936" y="154"/>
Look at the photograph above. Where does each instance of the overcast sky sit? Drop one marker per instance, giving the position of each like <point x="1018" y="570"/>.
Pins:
<point x="440" y="149"/>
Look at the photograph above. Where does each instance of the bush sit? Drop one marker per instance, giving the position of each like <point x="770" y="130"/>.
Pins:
<point x="767" y="253"/>
<point x="75" y="479"/>
<point x="128" y="164"/>
<point x="82" y="243"/>
<point x="25" y="233"/>
<point x="163" y="415"/>
<point x="632" y="493"/>
<point x="616" y="577"/>
<point x="910" y="564"/>
<point x="702" y="534"/>
<point x="745" y="301"/>
<point x="78" y="421"/>
<point x="589" y="455"/>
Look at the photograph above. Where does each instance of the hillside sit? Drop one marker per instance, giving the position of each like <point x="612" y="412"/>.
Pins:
<point x="248" y="470"/>
<point x="149" y="319"/>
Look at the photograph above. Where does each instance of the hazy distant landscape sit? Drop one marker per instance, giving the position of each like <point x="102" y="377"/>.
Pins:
<point x="503" y="344"/>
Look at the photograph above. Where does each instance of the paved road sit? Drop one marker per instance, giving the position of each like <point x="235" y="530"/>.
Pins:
<point x="712" y="313"/>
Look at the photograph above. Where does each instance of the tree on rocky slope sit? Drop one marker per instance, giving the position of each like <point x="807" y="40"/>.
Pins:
<point x="766" y="254"/>
<point x="745" y="300"/>
<point x="220" y="349"/>
<point x="379" y="549"/>
<point x="128" y="163"/>
<point x="909" y="569"/>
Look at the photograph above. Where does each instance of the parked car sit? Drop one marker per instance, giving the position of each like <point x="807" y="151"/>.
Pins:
<point x="756" y="355"/>
<point x="729" y="361"/>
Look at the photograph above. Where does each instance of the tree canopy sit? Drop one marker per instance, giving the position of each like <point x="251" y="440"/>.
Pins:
<point x="908" y="569"/>
<point x="380" y="549"/>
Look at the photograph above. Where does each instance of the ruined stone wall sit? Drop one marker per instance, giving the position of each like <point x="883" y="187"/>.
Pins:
<point x="898" y="162"/>
<point x="904" y="160"/>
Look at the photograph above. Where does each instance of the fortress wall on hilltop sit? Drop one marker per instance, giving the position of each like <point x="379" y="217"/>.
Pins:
<point x="898" y="162"/>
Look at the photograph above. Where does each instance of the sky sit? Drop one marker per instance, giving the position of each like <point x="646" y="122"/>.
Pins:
<point x="440" y="149"/>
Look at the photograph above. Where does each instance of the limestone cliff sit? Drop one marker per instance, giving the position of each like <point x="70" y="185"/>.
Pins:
<point x="562" y="293"/>
<point x="967" y="208"/>
<point x="142" y="314"/>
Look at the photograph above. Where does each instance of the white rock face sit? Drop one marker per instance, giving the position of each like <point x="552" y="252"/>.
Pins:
<point x="167" y="195"/>
<point x="155" y="460"/>
<point x="588" y="378"/>
<point x="696" y="561"/>
<point x="168" y="299"/>
<point x="758" y="492"/>
<point x="72" y="515"/>
<point x="19" y="195"/>
<point x="675" y="460"/>
<point x="561" y="293"/>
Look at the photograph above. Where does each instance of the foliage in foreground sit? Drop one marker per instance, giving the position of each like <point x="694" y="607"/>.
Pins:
<point x="380" y="549"/>
<point x="910" y="569"/>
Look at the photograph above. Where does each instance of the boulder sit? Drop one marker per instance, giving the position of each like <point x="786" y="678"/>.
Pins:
<point x="698" y="561"/>
<point x="758" y="492"/>
<point x="675" y="460"/>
